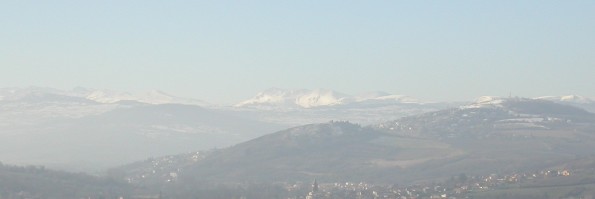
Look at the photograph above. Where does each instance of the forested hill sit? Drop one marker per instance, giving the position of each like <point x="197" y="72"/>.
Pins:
<point x="36" y="182"/>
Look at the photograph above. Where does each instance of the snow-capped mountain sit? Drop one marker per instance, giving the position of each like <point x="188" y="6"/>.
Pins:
<point x="302" y="106"/>
<point x="303" y="98"/>
<point x="486" y="101"/>
<point x="296" y="98"/>
<point x="321" y="97"/>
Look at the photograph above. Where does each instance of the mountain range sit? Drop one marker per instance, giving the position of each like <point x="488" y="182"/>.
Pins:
<point x="93" y="95"/>
<point x="273" y="98"/>
<point x="91" y="130"/>
<point x="303" y="98"/>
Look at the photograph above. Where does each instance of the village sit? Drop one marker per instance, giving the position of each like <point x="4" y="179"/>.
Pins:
<point x="457" y="187"/>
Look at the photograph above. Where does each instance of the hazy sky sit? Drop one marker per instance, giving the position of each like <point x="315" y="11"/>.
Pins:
<point x="226" y="51"/>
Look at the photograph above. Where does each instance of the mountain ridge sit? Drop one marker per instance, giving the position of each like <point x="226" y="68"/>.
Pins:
<point x="103" y="96"/>
<point x="273" y="97"/>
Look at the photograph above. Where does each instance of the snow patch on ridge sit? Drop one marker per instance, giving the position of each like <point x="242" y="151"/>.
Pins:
<point x="485" y="101"/>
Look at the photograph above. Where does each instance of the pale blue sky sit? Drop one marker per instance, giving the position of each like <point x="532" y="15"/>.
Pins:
<point x="226" y="51"/>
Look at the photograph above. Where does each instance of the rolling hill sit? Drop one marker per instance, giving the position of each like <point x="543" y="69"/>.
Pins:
<point x="490" y="136"/>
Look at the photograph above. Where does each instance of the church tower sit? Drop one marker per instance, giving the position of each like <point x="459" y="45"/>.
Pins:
<point x="314" y="194"/>
<point x="315" y="186"/>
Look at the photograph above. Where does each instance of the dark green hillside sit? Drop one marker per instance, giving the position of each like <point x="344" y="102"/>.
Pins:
<point x="332" y="150"/>
<point x="335" y="151"/>
<point x="546" y="108"/>
<point x="40" y="183"/>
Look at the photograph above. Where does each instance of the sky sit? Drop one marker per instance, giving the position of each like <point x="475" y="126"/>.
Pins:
<point x="227" y="51"/>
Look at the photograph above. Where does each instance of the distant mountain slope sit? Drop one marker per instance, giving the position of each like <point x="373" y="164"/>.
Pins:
<point x="490" y="116"/>
<point x="151" y="97"/>
<point x="97" y="142"/>
<point x="568" y="99"/>
<point x="586" y="103"/>
<point x="91" y="130"/>
<point x="41" y="94"/>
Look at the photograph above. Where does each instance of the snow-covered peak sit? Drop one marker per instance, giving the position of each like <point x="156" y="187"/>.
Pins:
<point x="321" y="97"/>
<point x="486" y="101"/>
<point x="303" y="98"/>
<point x="273" y="97"/>
<point x="489" y="100"/>
<point x="569" y="99"/>
<point x="295" y="98"/>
